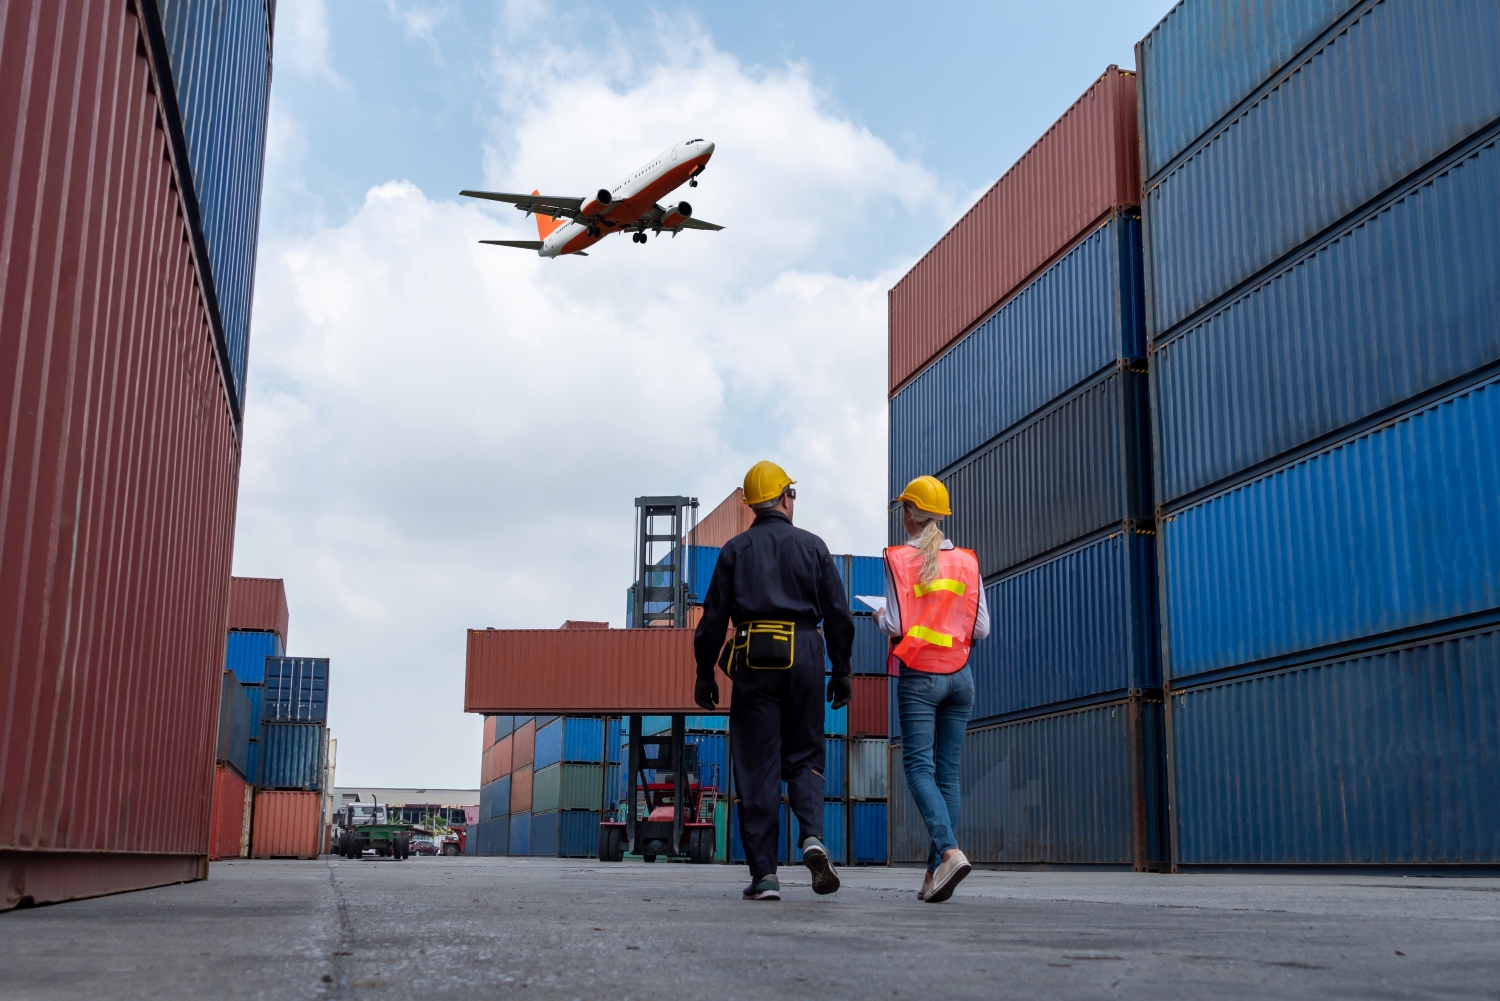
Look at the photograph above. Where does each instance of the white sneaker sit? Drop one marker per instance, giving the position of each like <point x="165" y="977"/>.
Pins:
<point x="926" y="886"/>
<point x="948" y="876"/>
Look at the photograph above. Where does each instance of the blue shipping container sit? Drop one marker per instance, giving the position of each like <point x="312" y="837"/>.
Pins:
<point x="246" y="651"/>
<point x="494" y="799"/>
<point x="1396" y="302"/>
<point x="291" y="756"/>
<point x="1072" y="470"/>
<point x="783" y="840"/>
<point x="504" y="726"/>
<point x="1206" y="56"/>
<point x="869" y="840"/>
<point x="1390" y="531"/>
<point x="835" y="722"/>
<point x="1063" y="788"/>
<point x="494" y="837"/>
<point x="834" y="767"/>
<point x="471" y="839"/>
<point x="715" y="724"/>
<point x="1074" y="320"/>
<point x="835" y="837"/>
<point x="252" y="760"/>
<point x="220" y="59"/>
<point x="1399" y="86"/>
<point x="565" y="834"/>
<point x="1080" y="625"/>
<point x="520" y="834"/>
<point x="234" y="725"/>
<point x="612" y="738"/>
<point x="255" y="695"/>
<point x="296" y="689"/>
<point x="569" y="738"/>
<point x="1391" y="757"/>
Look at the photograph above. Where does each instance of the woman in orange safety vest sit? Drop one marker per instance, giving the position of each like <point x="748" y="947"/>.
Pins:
<point x="934" y="610"/>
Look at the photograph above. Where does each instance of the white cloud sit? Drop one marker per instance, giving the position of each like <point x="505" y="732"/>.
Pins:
<point x="302" y="39"/>
<point x="443" y="435"/>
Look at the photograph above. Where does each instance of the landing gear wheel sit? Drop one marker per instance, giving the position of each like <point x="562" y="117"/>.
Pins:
<point x="693" y="183"/>
<point x="611" y="844"/>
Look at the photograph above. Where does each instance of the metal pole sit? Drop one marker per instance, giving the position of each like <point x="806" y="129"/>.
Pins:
<point x="635" y="769"/>
<point x="679" y="780"/>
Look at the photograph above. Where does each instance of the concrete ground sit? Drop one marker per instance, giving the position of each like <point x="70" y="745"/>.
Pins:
<point x="541" y="928"/>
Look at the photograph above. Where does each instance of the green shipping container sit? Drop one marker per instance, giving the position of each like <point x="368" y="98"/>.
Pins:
<point x="566" y="787"/>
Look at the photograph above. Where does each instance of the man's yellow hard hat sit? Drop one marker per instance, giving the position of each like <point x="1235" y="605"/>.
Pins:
<point x="765" y="482"/>
<point x="926" y="493"/>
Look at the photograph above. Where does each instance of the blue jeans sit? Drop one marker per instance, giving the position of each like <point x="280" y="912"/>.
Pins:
<point x="934" y="710"/>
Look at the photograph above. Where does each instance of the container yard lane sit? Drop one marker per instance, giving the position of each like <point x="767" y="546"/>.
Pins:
<point x="468" y="928"/>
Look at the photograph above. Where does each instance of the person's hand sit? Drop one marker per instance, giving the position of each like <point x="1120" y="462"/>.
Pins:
<point x="840" y="689"/>
<point x="706" y="694"/>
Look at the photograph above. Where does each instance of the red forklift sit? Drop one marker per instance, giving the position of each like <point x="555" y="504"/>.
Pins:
<point x="672" y="816"/>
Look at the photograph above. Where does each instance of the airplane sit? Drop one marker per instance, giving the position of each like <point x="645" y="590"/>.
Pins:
<point x="631" y="207"/>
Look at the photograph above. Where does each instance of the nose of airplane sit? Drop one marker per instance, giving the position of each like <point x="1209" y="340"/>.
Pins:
<point x="708" y="147"/>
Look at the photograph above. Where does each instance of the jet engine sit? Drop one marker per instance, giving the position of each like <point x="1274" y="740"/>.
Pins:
<point x="676" y="215"/>
<point x="598" y="204"/>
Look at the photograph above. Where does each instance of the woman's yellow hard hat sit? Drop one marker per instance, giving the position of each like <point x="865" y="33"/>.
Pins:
<point x="926" y="493"/>
<point x="765" y="482"/>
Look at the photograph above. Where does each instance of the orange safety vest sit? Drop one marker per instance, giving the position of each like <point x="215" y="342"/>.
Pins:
<point x="938" y="618"/>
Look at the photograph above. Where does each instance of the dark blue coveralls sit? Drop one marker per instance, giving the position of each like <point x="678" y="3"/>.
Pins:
<point x="774" y="571"/>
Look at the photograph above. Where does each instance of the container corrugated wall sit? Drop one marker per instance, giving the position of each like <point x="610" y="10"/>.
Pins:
<point x="868" y="833"/>
<point x="1079" y="316"/>
<point x="1400" y="84"/>
<point x="116" y="522"/>
<point x="493" y="837"/>
<point x="867" y="769"/>
<point x="296" y="690"/>
<point x="1084" y="167"/>
<point x="291" y="756"/>
<point x="565" y="834"/>
<point x="835" y="768"/>
<point x="232" y="798"/>
<point x="1384" y="758"/>
<point x="245" y="654"/>
<point x="569" y="738"/>
<point x="1389" y="531"/>
<point x="567" y="787"/>
<point x="258" y="604"/>
<point x="521" y="785"/>
<point x="1069" y="471"/>
<point x="523" y="745"/>
<point x="869" y="715"/>
<point x="287" y="825"/>
<point x="1397" y="301"/>
<point x="1083" y="624"/>
<point x="907" y="837"/>
<point x="235" y="717"/>
<point x="519" y="842"/>
<point x="220" y="57"/>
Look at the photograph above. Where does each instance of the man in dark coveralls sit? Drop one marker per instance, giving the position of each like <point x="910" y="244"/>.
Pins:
<point x="776" y="583"/>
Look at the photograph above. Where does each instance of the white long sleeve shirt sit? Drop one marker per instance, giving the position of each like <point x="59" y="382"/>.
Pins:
<point x="889" y="618"/>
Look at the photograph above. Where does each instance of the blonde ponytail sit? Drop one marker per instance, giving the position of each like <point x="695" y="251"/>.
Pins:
<point x="928" y="540"/>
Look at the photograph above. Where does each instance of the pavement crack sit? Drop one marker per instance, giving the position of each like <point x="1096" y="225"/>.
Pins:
<point x="336" y="980"/>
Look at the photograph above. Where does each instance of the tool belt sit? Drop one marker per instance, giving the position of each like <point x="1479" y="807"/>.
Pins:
<point x="763" y="645"/>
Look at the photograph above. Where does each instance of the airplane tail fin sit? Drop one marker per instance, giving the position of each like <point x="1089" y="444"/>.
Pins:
<point x="545" y="224"/>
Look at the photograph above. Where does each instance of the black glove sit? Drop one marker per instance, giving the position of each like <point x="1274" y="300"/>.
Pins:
<point x="706" y="694"/>
<point x="840" y="688"/>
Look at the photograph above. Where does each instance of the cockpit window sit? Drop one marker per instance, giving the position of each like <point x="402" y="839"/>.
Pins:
<point x="691" y="141"/>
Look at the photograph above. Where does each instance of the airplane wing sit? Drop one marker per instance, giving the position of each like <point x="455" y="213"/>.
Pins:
<point x="699" y="224"/>
<point x="550" y="205"/>
<point x="522" y="244"/>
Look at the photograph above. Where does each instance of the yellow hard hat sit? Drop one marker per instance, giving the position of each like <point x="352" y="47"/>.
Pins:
<point x="926" y="493"/>
<point x="765" y="482"/>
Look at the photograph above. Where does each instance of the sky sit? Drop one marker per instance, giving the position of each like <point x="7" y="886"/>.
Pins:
<point x="441" y="435"/>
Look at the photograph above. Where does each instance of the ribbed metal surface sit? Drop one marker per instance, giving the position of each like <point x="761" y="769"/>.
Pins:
<point x="1072" y="321"/>
<point x="1206" y="56"/>
<point x="1072" y="470"/>
<point x="835" y="767"/>
<point x="258" y="604"/>
<point x="835" y="722"/>
<point x="220" y="55"/>
<point x="1061" y="789"/>
<point x="496" y="760"/>
<point x="120" y="461"/>
<point x="867" y="769"/>
<point x="713" y="758"/>
<point x="522" y="786"/>
<point x="494" y="799"/>
<point x="583" y="670"/>
<point x="491" y="837"/>
<point x="868" y="836"/>
<point x="245" y="654"/>
<point x="1084" y="166"/>
<point x="1392" y="757"/>
<point x="1391" y="530"/>
<point x="503" y="726"/>
<point x="835" y="834"/>
<point x="869" y="714"/>
<point x="569" y="739"/>
<point x="291" y="756"/>
<point x="908" y="837"/>
<point x="519" y="842"/>
<point x="523" y="744"/>
<point x="287" y="825"/>
<point x="1405" y="82"/>
<point x="1401" y="301"/>
<point x="565" y="834"/>
<point x="871" y="646"/>
<point x="296" y="689"/>
<point x="566" y="787"/>
<point x="231" y="812"/>
<point x="252" y="774"/>
<point x="234" y="725"/>
<point x="1081" y="624"/>
<point x="256" y="696"/>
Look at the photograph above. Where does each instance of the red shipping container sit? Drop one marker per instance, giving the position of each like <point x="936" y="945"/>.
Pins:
<point x="121" y="461"/>
<point x="724" y="522"/>
<point x="1083" y="168"/>
<point x="869" y="706"/>
<point x="259" y="603"/>
<point x="504" y="757"/>
<point x="563" y="671"/>
<point x="287" y="824"/>
<point x="489" y="732"/>
<point x="231" y="823"/>
<point x="520" y="790"/>
<point x="523" y="746"/>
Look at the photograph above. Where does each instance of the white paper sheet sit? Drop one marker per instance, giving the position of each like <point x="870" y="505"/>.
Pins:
<point x="876" y="602"/>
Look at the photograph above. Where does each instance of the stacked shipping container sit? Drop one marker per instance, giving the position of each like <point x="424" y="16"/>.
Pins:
<point x="1321" y="200"/>
<point x="122" y="434"/>
<point x="1017" y="373"/>
<point x="544" y="781"/>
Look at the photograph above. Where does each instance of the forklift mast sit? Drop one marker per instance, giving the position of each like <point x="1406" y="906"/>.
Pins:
<point x="661" y="587"/>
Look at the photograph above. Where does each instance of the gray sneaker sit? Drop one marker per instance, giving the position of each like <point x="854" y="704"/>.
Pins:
<point x="825" y="879"/>
<point x="765" y="888"/>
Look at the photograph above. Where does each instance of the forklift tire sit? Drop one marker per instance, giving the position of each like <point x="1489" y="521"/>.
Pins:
<point x="701" y="847"/>
<point x="611" y="844"/>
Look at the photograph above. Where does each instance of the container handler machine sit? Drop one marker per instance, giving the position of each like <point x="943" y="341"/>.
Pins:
<point x="678" y="807"/>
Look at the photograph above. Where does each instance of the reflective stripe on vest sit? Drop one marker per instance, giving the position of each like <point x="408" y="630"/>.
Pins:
<point x="930" y="635"/>
<point x="956" y="586"/>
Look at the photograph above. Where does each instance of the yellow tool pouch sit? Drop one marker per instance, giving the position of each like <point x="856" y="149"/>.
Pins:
<point x="764" y="646"/>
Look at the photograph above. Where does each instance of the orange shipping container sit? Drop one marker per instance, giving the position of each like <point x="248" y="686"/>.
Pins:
<point x="230" y="833"/>
<point x="287" y="824"/>
<point x="523" y="746"/>
<point x="489" y="731"/>
<point x="504" y="751"/>
<point x="1083" y="168"/>
<point x="566" y="671"/>
<point x="724" y="522"/>
<point x="520" y="790"/>
<point x="258" y="603"/>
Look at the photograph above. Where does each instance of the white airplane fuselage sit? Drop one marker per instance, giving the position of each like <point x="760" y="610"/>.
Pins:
<point x="631" y="200"/>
